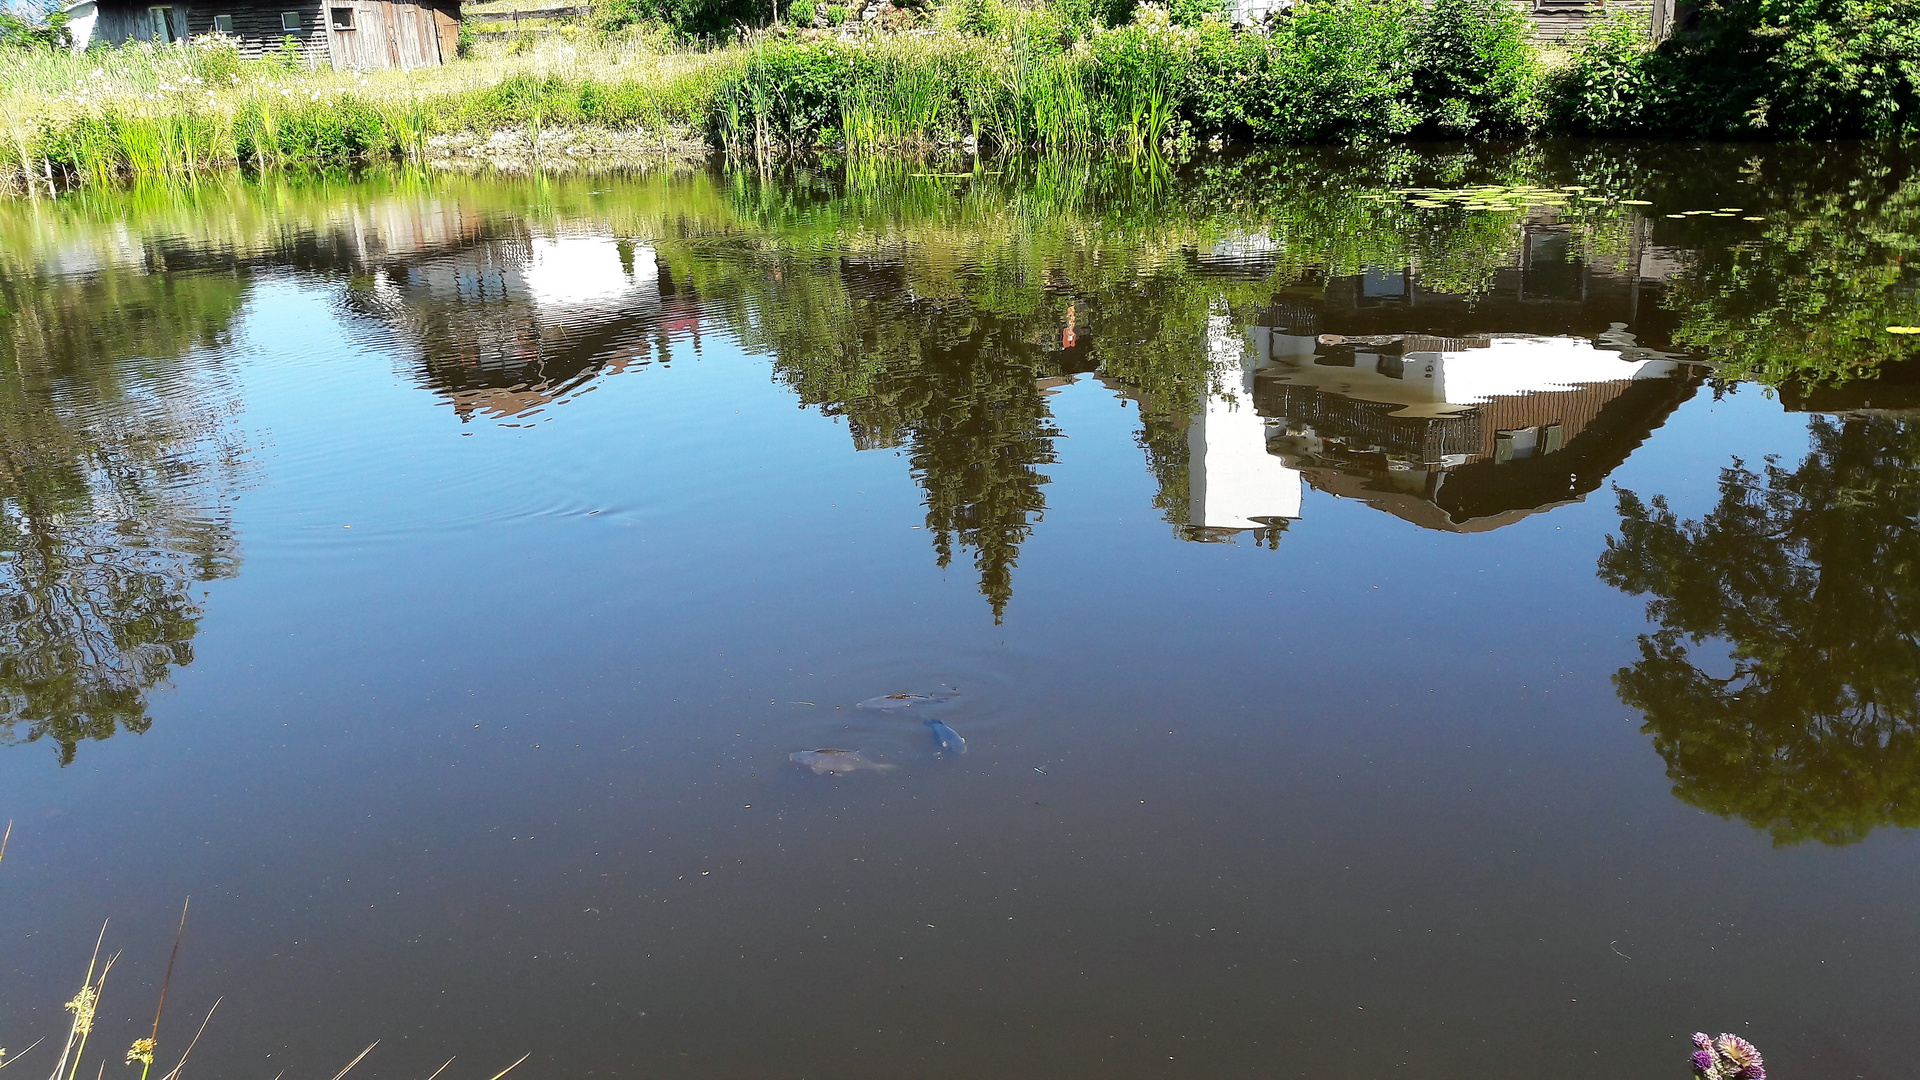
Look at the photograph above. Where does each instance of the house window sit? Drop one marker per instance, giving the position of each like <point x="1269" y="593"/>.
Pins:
<point x="162" y="23"/>
<point x="290" y="20"/>
<point x="342" y="18"/>
<point x="223" y="24"/>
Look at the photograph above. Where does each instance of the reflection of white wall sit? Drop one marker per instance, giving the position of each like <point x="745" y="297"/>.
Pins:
<point x="567" y="271"/>
<point x="1231" y="477"/>
<point x="1510" y="366"/>
<point x="1441" y="382"/>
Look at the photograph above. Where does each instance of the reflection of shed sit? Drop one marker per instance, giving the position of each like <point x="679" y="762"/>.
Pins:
<point x="354" y="34"/>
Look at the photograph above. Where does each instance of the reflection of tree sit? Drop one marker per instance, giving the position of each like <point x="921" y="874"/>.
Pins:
<point x="1812" y="299"/>
<point x="976" y="448"/>
<point x="113" y="470"/>
<point x="1811" y="730"/>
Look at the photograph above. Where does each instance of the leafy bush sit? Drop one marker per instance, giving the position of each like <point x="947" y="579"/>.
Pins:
<point x="1610" y="85"/>
<point x="1798" y="68"/>
<point x="1085" y="15"/>
<point x="608" y="15"/>
<point x="1336" y="71"/>
<point x="704" y="20"/>
<point x="786" y="94"/>
<point x="1194" y="12"/>
<point x="801" y="12"/>
<point x="836" y="14"/>
<point x="982" y="18"/>
<point x="1740" y="68"/>
<point x="41" y="27"/>
<point x="1476" y="71"/>
<point x="1137" y="73"/>
<point x="215" y="58"/>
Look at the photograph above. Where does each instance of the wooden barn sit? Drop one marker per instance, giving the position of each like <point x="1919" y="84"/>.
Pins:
<point x="359" y="35"/>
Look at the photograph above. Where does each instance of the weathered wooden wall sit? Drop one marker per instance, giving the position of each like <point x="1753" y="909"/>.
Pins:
<point x="385" y="33"/>
<point x="1557" y="21"/>
<point x="390" y="34"/>
<point x="256" y="27"/>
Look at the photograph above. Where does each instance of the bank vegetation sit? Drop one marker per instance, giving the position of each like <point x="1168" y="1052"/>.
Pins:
<point x="668" y="77"/>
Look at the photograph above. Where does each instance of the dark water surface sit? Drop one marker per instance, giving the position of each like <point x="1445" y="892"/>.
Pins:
<point x="1394" y="633"/>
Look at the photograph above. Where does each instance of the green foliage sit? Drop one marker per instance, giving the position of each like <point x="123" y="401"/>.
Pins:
<point x="801" y="12"/>
<point x="1799" y="67"/>
<point x="705" y="20"/>
<point x="1807" y="725"/>
<point x="44" y="27"/>
<point x="1081" y="16"/>
<point x="1136" y="73"/>
<point x="1475" y="68"/>
<point x="1611" y="84"/>
<point x="216" y="61"/>
<point x="609" y="16"/>
<point x="1335" y="71"/>
<point x="981" y="18"/>
<point x="1741" y="68"/>
<point x="1811" y="299"/>
<point x="1195" y="12"/>
<point x="835" y="14"/>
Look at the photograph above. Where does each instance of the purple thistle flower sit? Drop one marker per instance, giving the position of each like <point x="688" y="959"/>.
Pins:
<point x="1703" y="1061"/>
<point x="1703" y="1041"/>
<point x="1739" y="1053"/>
<point x="1752" y="1072"/>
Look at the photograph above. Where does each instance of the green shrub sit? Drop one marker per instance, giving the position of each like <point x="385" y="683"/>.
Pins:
<point x="1137" y="74"/>
<point x="216" y="60"/>
<point x="609" y="16"/>
<point x="1194" y="12"/>
<point x="704" y="20"/>
<point x="1610" y="85"/>
<point x="34" y="26"/>
<point x="982" y="18"/>
<point x="836" y="14"/>
<point x="1799" y="68"/>
<point x="1085" y="15"/>
<point x="1335" y="71"/>
<point x="801" y="12"/>
<point x="1475" y="68"/>
<point x="787" y="94"/>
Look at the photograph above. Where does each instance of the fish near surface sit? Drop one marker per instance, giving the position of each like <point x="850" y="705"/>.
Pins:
<point x="946" y="738"/>
<point x="899" y="702"/>
<point x="829" y="762"/>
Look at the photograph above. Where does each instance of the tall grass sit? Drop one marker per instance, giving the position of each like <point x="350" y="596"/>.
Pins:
<point x="1335" y="70"/>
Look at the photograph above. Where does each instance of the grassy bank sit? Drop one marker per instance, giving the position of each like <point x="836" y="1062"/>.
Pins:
<point x="977" y="73"/>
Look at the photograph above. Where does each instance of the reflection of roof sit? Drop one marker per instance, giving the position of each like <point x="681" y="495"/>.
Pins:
<point x="1456" y="480"/>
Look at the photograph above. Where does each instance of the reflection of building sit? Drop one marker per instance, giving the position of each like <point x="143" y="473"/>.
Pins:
<point x="506" y="325"/>
<point x="1234" y="483"/>
<point x="1463" y="435"/>
<point x="1376" y="388"/>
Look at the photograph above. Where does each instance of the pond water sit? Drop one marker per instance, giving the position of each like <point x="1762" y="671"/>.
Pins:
<point x="1364" y="628"/>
